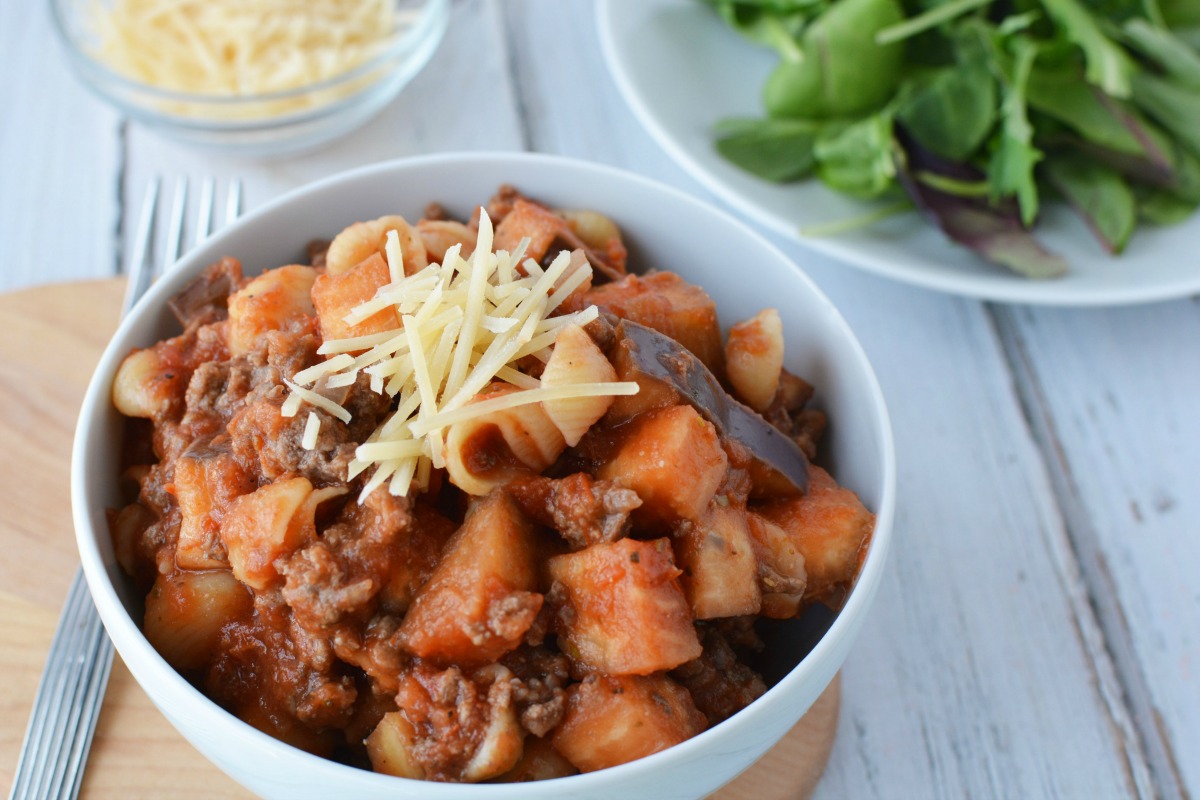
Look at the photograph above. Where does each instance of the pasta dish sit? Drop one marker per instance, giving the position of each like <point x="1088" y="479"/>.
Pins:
<point x="466" y="500"/>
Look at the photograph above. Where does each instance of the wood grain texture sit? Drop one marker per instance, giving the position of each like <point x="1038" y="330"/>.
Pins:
<point x="59" y="160"/>
<point x="1037" y="635"/>
<point x="56" y="336"/>
<point x="1112" y="395"/>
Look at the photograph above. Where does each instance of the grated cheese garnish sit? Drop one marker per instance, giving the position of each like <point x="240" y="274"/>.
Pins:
<point x="465" y="323"/>
<point x="242" y="47"/>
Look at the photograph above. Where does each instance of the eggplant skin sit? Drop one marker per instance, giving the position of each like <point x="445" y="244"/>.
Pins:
<point x="661" y="358"/>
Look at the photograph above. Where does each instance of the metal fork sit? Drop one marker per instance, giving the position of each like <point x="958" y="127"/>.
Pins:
<point x="71" y="690"/>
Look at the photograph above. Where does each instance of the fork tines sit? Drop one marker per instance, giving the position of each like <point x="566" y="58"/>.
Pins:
<point x="141" y="266"/>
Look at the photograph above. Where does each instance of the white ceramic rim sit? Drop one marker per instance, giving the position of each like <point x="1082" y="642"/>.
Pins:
<point x="1025" y="291"/>
<point x="146" y="664"/>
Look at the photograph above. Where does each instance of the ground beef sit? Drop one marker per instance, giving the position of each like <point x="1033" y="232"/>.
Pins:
<point x="260" y="674"/>
<point x="584" y="510"/>
<point x="450" y="713"/>
<point x="719" y="683"/>
<point x="789" y="414"/>
<point x="340" y="575"/>
<point x="540" y="677"/>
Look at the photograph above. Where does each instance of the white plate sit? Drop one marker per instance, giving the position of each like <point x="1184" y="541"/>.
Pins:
<point x="682" y="69"/>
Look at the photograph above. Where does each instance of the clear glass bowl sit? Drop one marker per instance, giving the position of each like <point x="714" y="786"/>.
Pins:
<point x="274" y="123"/>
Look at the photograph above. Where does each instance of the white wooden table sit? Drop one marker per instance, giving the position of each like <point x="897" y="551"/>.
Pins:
<point x="1038" y="634"/>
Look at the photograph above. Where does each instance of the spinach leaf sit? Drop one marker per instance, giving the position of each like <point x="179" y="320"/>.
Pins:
<point x="1175" y="58"/>
<point x="1159" y="207"/>
<point x="1107" y="64"/>
<point x="1174" y="106"/>
<point x="843" y="72"/>
<point x="929" y="19"/>
<point x="859" y="158"/>
<point x="1099" y="195"/>
<point x="1114" y="125"/>
<point x="1010" y="169"/>
<point x="951" y="110"/>
<point x="772" y="28"/>
<point x="1180" y="13"/>
<point x="777" y="150"/>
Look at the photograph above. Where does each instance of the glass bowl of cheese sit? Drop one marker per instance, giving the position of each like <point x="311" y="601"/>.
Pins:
<point x="257" y="77"/>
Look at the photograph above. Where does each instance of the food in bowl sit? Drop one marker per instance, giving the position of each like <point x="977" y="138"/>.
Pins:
<point x="457" y="503"/>
<point x="227" y="47"/>
<point x="251" y="78"/>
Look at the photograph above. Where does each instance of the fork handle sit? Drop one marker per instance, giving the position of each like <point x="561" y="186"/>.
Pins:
<point x="79" y="662"/>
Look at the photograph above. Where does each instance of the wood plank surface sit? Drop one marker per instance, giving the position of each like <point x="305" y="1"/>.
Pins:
<point x="59" y="160"/>
<point x="56" y="335"/>
<point x="1112" y="395"/>
<point x="1039" y="629"/>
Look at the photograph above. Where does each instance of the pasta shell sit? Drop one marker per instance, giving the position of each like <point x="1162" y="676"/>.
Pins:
<point x="754" y="358"/>
<point x="576" y="359"/>
<point x="364" y="239"/>
<point x="488" y="450"/>
<point x="439" y="235"/>
<point x="186" y="610"/>
<point x="390" y="747"/>
<point x="503" y="738"/>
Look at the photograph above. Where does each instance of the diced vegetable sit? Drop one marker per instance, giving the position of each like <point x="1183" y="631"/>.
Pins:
<point x="612" y="594"/>
<point x="781" y="574"/>
<point x="830" y="528"/>
<point x="483" y="596"/>
<point x="720" y="570"/>
<point x="205" y="484"/>
<point x="673" y="459"/>
<point x="335" y="296"/>
<point x="540" y="224"/>
<point x="614" y="720"/>
<point x="776" y="461"/>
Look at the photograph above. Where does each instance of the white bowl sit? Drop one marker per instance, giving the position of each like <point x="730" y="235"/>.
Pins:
<point x="665" y="229"/>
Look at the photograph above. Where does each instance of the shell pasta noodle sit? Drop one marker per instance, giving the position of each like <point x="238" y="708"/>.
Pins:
<point x="464" y="500"/>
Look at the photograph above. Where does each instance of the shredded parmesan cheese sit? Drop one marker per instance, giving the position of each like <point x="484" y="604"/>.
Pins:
<point x="465" y="323"/>
<point x="312" y="429"/>
<point x="239" y="48"/>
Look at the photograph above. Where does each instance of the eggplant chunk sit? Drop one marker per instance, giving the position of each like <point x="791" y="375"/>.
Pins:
<point x="652" y="357"/>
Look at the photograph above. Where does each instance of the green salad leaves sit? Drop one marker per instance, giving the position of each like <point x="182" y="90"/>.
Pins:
<point x="976" y="111"/>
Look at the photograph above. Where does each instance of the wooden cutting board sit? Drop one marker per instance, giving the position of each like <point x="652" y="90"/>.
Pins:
<point x="53" y="336"/>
